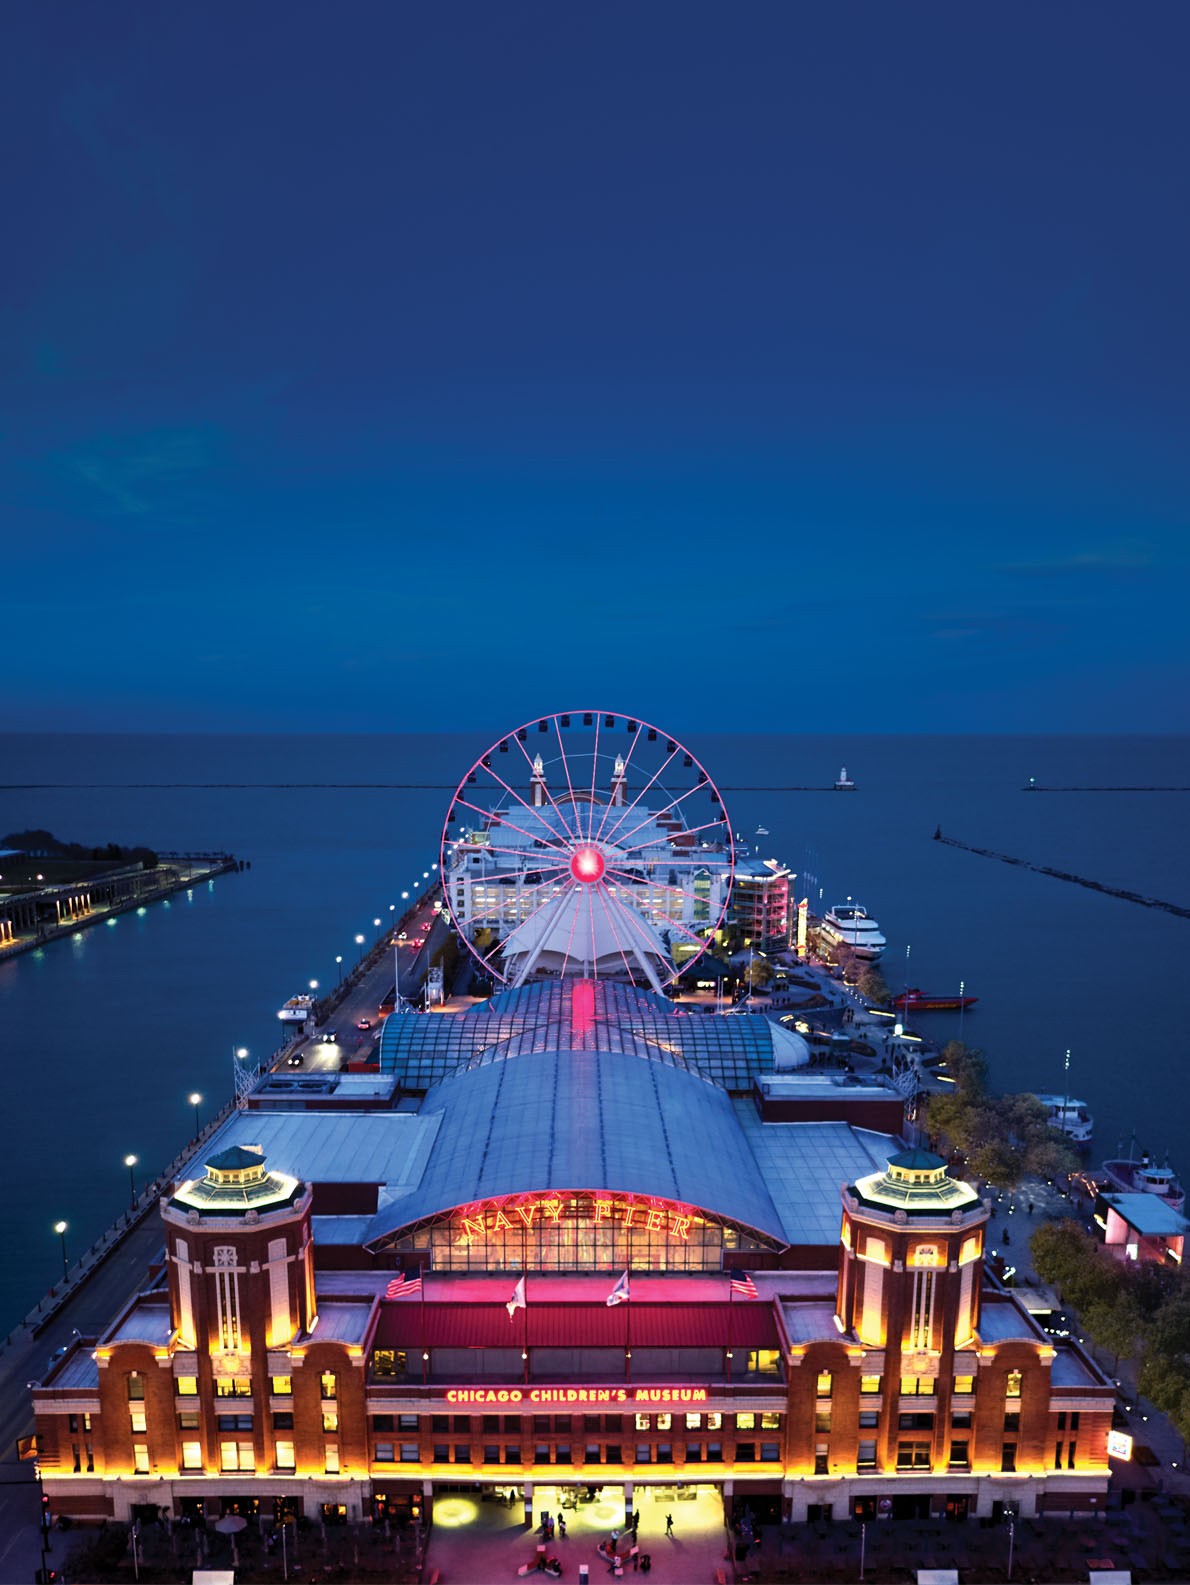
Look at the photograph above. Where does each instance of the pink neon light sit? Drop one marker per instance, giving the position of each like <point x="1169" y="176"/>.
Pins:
<point x="587" y="865"/>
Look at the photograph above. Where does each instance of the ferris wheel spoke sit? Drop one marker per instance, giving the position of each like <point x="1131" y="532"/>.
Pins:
<point x="658" y="814"/>
<point x="569" y="940"/>
<point x="576" y="834"/>
<point x="512" y="793"/>
<point x="594" y="776"/>
<point x="512" y="896"/>
<point x="511" y="936"/>
<point x="676" y="891"/>
<point x="502" y="819"/>
<point x="570" y="834"/>
<point x="636" y="737"/>
<point x="686" y="831"/>
<point x="602" y="890"/>
<point x="528" y="856"/>
<point x="628" y="808"/>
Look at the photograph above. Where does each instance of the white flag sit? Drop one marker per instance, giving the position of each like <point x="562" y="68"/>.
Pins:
<point x="619" y="1294"/>
<point x="517" y="1302"/>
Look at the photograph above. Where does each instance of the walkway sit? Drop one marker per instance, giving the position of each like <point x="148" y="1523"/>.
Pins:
<point x="478" y="1542"/>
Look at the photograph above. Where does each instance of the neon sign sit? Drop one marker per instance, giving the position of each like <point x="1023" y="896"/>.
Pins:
<point x="576" y="1395"/>
<point x="494" y="1218"/>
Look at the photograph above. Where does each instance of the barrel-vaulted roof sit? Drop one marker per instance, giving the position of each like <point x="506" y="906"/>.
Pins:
<point x="585" y="1119"/>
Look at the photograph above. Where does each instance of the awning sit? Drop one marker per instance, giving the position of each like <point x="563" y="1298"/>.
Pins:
<point x="745" y="1325"/>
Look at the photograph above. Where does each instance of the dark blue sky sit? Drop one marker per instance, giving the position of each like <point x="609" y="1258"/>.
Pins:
<point x="804" y="366"/>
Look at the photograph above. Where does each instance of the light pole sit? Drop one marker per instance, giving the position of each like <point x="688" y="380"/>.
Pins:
<point x="130" y="1163"/>
<point x="1011" y="1539"/>
<point x="339" y="967"/>
<point x="376" y="923"/>
<point x="359" y="941"/>
<point x="60" y="1229"/>
<point x="863" y="1544"/>
<point x="195" y="1100"/>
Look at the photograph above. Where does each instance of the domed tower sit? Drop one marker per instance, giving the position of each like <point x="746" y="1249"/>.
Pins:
<point x="910" y="1272"/>
<point x="241" y="1261"/>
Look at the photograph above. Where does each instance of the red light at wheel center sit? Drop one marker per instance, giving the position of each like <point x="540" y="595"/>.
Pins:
<point x="586" y="865"/>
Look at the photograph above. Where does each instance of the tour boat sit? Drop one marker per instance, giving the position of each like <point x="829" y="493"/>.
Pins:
<point x="917" y="1001"/>
<point x="1069" y="1116"/>
<point x="848" y="925"/>
<point x="296" y="1010"/>
<point x="844" y="782"/>
<point x="1144" y="1177"/>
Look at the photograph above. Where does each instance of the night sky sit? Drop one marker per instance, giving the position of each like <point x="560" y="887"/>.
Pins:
<point x="781" y="366"/>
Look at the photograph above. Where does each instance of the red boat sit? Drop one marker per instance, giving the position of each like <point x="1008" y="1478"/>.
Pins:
<point x="916" y="1001"/>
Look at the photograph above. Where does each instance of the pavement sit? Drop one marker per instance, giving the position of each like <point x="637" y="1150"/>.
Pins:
<point x="481" y="1543"/>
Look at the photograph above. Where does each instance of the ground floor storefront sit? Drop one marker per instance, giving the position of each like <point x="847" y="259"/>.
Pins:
<point x="949" y="1499"/>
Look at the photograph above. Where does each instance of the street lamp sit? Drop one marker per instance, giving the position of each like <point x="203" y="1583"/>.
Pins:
<point x="359" y="941"/>
<point x="195" y="1100"/>
<point x="130" y="1162"/>
<point x="60" y="1229"/>
<point x="339" y="967"/>
<point x="404" y="897"/>
<point x="313" y="985"/>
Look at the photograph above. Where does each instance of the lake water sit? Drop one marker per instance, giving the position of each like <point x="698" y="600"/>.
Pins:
<point x="105" y="1035"/>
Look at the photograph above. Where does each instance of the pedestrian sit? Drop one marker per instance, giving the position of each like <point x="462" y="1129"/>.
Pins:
<point x="669" y="1524"/>
<point x="1030" y="1207"/>
<point x="561" y="1528"/>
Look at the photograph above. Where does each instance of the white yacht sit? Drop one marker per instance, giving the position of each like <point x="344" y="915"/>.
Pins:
<point x="1069" y="1116"/>
<point x="849" y="925"/>
<point x="296" y="1010"/>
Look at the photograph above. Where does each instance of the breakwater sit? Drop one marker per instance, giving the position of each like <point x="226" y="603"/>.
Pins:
<point x="1064" y="875"/>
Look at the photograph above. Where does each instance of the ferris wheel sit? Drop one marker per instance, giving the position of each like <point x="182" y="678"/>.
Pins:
<point x="587" y="844"/>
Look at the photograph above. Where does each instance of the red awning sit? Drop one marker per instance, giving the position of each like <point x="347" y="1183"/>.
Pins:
<point x="744" y="1324"/>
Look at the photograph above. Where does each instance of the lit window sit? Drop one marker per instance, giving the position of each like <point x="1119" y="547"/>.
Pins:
<point x="330" y="1384"/>
<point x="191" y="1455"/>
<point x="140" y="1457"/>
<point x="770" y="1421"/>
<point x="693" y="1422"/>
<point x="330" y="1420"/>
<point x="664" y="1422"/>
<point x="745" y="1422"/>
<point x="281" y="1386"/>
<point x="137" y="1416"/>
<point x="286" y="1455"/>
<point x="869" y="1384"/>
<point x="714" y="1422"/>
<point x="964" y="1384"/>
<point x="1013" y="1386"/>
<point x="331" y="1464"/>
<point x="643" y="1422"/>
<point x="824" y="1384"/>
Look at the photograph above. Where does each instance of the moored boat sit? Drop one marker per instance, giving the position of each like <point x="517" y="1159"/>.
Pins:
<point x="1069" y="1116"/>
<point x="917" y="1001"/>
<point x="848" y="925"/>
<point x="296" y="1010"/>
<point x="843" y="782"/>
<point x="1131" y="1176"/>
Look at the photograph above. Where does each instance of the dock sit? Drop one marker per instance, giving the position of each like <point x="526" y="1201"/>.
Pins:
<point x="32" y="917"/>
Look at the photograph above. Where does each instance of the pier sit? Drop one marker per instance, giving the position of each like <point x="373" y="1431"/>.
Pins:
<point x="33" y="916"/>
<point x="1064" y="875"/>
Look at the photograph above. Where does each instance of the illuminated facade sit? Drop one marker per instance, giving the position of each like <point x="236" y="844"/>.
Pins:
<point x="358" y="1309"/>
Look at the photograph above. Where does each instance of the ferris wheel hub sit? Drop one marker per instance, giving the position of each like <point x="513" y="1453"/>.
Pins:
<point x="587" y="865"/>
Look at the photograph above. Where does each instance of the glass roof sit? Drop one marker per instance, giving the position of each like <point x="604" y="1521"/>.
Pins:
<point x="586" y="1119"/>
<point x="587" y="1015"/>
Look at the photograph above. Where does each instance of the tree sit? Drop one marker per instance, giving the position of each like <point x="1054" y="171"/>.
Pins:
<point x="872" y="984"/>
<point x="1061" y="1253"/>
<point x="1113" y="1321"/>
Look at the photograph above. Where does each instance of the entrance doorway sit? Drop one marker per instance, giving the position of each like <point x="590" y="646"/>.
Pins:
<point x="914" y="1505"/>
<point x="956" y="1507"/>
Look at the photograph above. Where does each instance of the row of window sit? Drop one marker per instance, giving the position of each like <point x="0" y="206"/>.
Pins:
<point x="921" y="1386"/>
<point x="235" y="1386"/>
<point x="568" y="1453"/>
<point x="572" y="1424"/>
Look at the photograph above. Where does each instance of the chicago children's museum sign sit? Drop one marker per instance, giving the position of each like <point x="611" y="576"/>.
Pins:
<point x="663" y="1396"/>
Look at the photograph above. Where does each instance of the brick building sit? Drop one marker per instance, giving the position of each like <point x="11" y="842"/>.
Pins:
<point x="367" y="1300"/>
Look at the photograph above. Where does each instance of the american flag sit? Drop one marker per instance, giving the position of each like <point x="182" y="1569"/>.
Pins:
<point x="402" y="1287"/>
<point x="742" y="1284"/>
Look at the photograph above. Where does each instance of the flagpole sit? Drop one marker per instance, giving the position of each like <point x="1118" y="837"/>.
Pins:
<point x="730" y="1313"/>
<point x="425" y="1363"/>
<point x="525" y="1307"/>
<point x="628" y="1333"/>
